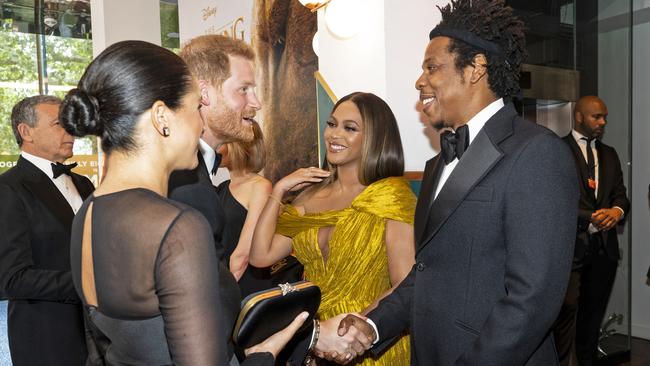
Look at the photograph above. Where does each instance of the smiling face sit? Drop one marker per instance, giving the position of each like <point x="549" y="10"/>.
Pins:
<point x="233" y="106"/>
<point x="47" y="139"/>
<point x="442" y="87"/>
<point x="344" y="135"/>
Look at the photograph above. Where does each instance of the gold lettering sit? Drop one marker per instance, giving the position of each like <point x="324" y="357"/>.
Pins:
<point x="208" y="12"/>
<point x="234" y="28"/>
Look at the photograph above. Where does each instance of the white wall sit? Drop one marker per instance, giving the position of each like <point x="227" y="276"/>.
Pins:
<point x="111" y="23"/>
<point x="407" y="35"/>
<point x="614" y="88"/>
<point x="640" y="177"/>
<point x="357" y="63"/>
<point x="199" y="17"/>
<point x="385" y="58"/>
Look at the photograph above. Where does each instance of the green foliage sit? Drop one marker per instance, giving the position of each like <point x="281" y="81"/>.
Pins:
<point x="66" y="59"/>
<point x="169" y="25"/>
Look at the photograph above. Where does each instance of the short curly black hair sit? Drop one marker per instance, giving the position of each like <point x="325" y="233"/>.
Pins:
<point x="492" y="21"/>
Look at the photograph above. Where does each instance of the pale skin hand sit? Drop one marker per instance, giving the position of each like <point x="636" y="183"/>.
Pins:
<point x="268" y="247"/>
<point x="275" y="343"/>
<point x="606" y="218"/>
<point x="341" y="348"/>
<point x="354" y="325"/>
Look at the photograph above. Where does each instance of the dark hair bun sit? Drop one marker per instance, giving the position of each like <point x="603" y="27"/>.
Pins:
<point x="79" y="114"/>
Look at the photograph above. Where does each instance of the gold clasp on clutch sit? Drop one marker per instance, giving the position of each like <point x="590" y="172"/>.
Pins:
<point x="287" y="288"/>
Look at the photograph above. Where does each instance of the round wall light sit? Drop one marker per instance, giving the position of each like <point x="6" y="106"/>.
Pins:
<point x="344" y="17"/>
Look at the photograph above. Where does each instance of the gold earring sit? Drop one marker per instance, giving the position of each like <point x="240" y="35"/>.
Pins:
<point x="165" y="131"/>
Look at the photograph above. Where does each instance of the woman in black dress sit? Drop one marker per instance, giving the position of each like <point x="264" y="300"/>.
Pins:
<point x="243" y="197"/>
<point x="145" y="266"/>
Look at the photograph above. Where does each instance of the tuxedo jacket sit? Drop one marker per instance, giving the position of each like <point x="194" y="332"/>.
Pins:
<point x="611" y="192"/>
<point x="194" y="188"/>
<point x="493" y="252"/>
<point x="45" y="318"/>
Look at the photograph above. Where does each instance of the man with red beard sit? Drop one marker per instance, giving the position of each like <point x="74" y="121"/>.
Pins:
<point x="225" y="71"/>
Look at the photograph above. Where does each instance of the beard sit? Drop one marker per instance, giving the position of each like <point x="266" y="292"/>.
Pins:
<point x="227" y="125"/>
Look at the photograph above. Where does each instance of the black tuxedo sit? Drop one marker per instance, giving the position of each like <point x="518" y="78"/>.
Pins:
<point x="45" y="319"/>
<point x="595" y="254"/>
<point x="611" y="192"/>
<point x="194" y="188"/>
<point x="493" y="252"/>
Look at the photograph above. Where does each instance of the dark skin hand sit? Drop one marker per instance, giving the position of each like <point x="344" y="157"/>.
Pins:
<point x="606" y="218"/>
<point x="361" y="330"/>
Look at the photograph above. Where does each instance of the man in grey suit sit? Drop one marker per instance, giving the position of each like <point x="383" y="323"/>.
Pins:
<point x="495" y="221"/>
<point x="39" y="198"/>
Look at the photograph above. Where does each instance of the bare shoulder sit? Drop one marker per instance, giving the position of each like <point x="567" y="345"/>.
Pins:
<point x="259" y="185"/>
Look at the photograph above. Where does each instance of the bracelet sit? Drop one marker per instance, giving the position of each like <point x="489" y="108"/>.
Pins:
<point x="274" y="198"/>
<point x="314" y="339"/>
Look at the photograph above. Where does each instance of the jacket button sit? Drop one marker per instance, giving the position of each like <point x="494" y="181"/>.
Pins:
<point x="420" y="266"/>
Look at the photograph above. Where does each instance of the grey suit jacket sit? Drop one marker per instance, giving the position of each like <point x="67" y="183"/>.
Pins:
<point x="494" y="252"/>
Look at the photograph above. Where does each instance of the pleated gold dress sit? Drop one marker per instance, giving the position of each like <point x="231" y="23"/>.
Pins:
<point x="356" y="273"/>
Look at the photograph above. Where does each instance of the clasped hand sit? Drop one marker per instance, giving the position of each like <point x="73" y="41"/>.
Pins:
<point x="606" y="218"/>
<point x="344" y="337"/>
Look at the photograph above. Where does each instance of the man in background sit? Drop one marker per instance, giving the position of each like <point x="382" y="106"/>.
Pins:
<point x="38" y="200"/>
<point x="603" y="204"/>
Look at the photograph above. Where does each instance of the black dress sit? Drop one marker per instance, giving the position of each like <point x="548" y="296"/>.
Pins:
<point x="163" y="297"/>
<point x="254" y="279"/>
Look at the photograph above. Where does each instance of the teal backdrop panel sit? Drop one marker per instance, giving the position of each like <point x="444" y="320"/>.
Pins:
<point x="325" y="102"/>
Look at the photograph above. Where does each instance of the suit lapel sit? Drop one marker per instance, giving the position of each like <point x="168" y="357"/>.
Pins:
<point x="480" y="157"/>
<point x="202" y="172"/>
<point x="45" y="191"/>
<point x="432" y="172"/>
<point x="582" y="164"/>
<point x="82" y="186"/>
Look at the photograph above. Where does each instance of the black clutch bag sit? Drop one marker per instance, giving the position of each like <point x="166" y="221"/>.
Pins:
<point x="264" y="313"/>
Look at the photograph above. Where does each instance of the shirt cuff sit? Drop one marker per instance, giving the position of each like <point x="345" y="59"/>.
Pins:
<point x="374" y="327"/>
<point x="622" y="212"/>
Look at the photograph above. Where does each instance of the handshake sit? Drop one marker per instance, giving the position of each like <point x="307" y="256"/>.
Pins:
<point x="342" y="338"/>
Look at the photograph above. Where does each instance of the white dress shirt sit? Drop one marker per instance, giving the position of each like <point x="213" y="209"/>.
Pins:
<point x="63" y="182"/>
<point x="475" y="124"/>
<point x="208" y="154"/>
<point x="583" y="147"/>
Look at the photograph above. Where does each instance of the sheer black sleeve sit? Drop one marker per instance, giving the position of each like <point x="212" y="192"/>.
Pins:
<point x="186" y="278"/>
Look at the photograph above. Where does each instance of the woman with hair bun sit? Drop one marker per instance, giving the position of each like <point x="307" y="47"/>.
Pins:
<point x="145" y="266"/>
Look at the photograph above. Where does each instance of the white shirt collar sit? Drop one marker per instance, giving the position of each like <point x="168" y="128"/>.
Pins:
<point x="476" y="123"/>
<point x="578" y="137"/>
<point x="208" y="154"/>
<point x="43" y="164"/>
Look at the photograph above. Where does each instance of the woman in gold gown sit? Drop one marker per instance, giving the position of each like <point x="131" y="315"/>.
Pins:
<point x="352" y="227"/>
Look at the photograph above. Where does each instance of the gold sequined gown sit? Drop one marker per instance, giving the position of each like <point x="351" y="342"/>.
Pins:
<point x="356" y="273"/>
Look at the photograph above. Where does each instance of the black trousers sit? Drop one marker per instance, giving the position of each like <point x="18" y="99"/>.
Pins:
<point x="564" y="328"/>
<point x="596" y="281"/>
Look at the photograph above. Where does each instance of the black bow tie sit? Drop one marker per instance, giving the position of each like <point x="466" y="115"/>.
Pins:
<point x="58" y="169"/>
<point x="454" y="144"/>
<point x="215" y="166"/>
